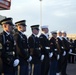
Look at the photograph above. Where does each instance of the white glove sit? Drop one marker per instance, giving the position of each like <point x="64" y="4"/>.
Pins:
<point x="58" y="56"/>
<point x="55" y="49"/>
<point x="70" y="51"/>
<point x="64" y="53"/>
<point x="30" y="58"/>
<point x="58" y="73"/>
<point x="16" y="62"/>
<point x="42" y="57"/>
<point x="50" y="54"/>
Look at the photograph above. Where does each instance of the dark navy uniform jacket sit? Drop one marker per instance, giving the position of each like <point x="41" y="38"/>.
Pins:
<point x="22" y="44"/>
<point x="61" y="45"/>
<point x="53" y="47"/>
<point x="66" y="44"/>
<point x="35" y="51"/>
<point x="45" y="44"/>
<point x="72" y="46"/>
<point x="9" y="53"/>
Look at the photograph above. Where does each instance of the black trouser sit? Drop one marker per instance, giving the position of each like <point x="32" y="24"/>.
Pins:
<point x="45" y="66"/>
<point x="64" y="65"/>
<point x="59" y="66"/>
<point x="9" y="70"/>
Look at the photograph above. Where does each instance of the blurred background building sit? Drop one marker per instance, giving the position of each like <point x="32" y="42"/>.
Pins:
<point x="4" y="5"/>
<point x="1" y="17"/>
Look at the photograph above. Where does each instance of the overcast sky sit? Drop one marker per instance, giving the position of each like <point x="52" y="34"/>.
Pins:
<point x="57" y="14"/>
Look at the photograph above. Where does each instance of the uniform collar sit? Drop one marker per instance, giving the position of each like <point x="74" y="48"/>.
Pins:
<point x="60" y="37"/>
<point x="65" y="38"/>
<point x="21" y="32"/>
<point x="35" y="35"/>
<point x="7" y="32"/>
<point x="46" y="34"/>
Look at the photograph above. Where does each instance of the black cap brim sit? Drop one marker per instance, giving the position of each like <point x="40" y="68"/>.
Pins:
<point x="10" y="23"/>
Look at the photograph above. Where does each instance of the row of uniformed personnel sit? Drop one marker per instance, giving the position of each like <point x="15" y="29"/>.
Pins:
<point x="45" y="56"/>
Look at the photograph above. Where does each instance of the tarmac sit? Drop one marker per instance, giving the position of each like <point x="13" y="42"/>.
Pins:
<point x="71" y="69"/>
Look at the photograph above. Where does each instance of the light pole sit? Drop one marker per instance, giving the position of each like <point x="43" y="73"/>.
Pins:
<point x="40" y="12"/>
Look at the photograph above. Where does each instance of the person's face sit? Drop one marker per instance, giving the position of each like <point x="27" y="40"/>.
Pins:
<point x="64" y="34"/>
<point x="35" y="31"/>
<point x="21" y="28"/>
<point x="7" y="27"/>
<point x="59" y="34"/>
<point x="54" y="35"/>
<point x="45" y="30"/>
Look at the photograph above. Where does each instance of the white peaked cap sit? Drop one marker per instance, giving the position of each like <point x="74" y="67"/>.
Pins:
<point x="63" y="31"/>
<point x="58" y="31"/>
<point x="44" y="26"/>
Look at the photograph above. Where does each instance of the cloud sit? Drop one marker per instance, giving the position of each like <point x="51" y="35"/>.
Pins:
<point x="58" y="14"/>
<point x="61" y="14"/>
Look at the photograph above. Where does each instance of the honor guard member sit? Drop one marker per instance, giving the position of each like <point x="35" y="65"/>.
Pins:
<point x="9" y="54"/>
<point x="74" y="51"/>
<point x="22" y="46"/>
<point x="71" y="57"/>
<point x="45" y="49"/>
<point x="56" y="55"/>
<point x="62" y="52"/>
<point x="67" y="49"/>
<point x="35" y="51"/>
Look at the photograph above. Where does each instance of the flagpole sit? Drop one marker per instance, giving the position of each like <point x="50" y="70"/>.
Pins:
<point x="40" y="12"/>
